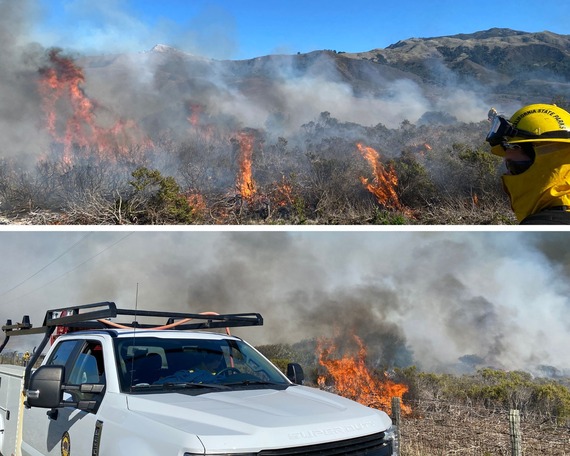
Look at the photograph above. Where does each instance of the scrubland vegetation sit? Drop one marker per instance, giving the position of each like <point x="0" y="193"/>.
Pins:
<point x="467" y="414"/>
<point x="432" y="174"/>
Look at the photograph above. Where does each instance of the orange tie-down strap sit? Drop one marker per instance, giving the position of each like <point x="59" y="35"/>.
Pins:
<point x="169" y="326"/>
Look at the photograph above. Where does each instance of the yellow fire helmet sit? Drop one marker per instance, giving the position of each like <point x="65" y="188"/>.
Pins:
<point x="532" y="124"/>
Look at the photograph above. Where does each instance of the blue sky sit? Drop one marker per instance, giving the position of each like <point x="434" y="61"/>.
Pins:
<point x="240" y="29"/>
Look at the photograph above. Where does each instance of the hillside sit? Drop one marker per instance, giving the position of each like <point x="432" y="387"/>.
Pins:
<point x="305" y="138"/>
<point x="508" y="63"/>
<point x="462" y="75"/>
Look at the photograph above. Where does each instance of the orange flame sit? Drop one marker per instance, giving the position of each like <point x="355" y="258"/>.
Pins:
<point x="385" y="181"/>
<point x="195" y="118"/>
<point x="475" y="200"/>
<point x="353" y="379"/>
<point x="198" y="203"/>
<point x="422" y="149"/>
<point x="245" y="182"/>
<point x="71" y="115"/>
<point x="195" y="112"/>
<point x="284" y="192"/>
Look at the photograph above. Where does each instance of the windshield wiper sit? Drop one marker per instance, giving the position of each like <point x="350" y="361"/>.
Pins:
<point x="175" y="385"/>
<point x="253" y="382"/>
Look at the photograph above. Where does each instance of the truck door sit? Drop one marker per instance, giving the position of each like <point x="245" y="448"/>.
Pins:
<point x="67" y="430"/>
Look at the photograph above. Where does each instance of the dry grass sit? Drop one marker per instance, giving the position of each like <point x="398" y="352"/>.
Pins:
<point x="233" y="210"/>
<point x="438" y="429"/>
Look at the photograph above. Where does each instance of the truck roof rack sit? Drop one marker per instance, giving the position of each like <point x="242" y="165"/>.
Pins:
<point x="97" y="315"/>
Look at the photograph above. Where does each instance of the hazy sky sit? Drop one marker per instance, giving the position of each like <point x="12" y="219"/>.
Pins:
<point x="251" y="28"/>
<point x="435" y="296"/>
<point x="237" y="30"/>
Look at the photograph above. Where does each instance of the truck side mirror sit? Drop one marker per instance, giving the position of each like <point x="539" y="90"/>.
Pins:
<point x="45" y="388"/>
<point x="295" y="373"/>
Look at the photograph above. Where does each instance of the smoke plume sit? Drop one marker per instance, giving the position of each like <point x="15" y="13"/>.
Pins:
<point x="19" y="99"/>
<point x="443" y="301"/>
<point x="153" y="90"/>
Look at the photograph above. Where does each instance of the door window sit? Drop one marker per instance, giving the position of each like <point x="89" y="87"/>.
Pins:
<point x="83" y="362"/>
<point x="63" y="352"/>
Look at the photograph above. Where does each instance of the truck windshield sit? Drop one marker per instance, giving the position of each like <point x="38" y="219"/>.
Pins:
<point x="158" y="363"/>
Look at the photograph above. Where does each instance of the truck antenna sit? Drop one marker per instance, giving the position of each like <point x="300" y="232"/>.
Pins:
<point x="134" y="335"/>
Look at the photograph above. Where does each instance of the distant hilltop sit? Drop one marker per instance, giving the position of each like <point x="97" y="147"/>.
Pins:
<point x="461" y="75"/>
<point x="507" y="63"/>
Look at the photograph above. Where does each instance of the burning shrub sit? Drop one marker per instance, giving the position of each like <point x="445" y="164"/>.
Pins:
<point x="72" y="117"/>
<point x="384" y="182"/>
<point x="352" y="378"/>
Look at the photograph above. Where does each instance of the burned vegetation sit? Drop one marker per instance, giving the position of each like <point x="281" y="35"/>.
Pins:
<point x="326" y="172"/>
<point x="98" y="167"/>
<point x="248" y="177"/>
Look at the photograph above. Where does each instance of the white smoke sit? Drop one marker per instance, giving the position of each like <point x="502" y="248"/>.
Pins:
<point x="438" y="297"/>
<point x="153" y="88"/>
<point x="20" y="104"/>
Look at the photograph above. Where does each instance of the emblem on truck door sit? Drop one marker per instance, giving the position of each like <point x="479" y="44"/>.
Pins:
<point x="65" y="444"/>
<point x="97" y="438"/>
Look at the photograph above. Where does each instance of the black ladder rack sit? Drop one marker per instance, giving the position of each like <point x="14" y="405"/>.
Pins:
<point x="83" y="316"/>
<point x="93" y="316"/>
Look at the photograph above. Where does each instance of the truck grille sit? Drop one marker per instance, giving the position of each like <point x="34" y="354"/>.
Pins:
<point x="371" y="445"/>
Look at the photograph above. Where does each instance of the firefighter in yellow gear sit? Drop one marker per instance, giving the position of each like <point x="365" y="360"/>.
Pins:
<point x="535" y="144"/>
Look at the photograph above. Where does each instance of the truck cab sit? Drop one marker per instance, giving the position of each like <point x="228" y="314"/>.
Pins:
<point x="181" y="391"/>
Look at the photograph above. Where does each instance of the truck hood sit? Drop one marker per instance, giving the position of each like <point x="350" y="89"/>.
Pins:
<point x="252" y="420"/>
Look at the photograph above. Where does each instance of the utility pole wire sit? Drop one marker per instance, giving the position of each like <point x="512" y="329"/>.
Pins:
<point x="71" y="270"/>
<point x="49" y="264"/>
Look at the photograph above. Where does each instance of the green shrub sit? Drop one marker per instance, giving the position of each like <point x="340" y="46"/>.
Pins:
<point x="157" y="199"/>
<point x="554" y="399"/>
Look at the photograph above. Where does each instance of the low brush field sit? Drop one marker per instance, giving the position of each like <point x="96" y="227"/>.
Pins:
<point x="468" y="415"/>
<point x="328" y="173"/>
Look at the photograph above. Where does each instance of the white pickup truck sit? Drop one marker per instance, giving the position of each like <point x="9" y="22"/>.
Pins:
<point x="115" y="389"/>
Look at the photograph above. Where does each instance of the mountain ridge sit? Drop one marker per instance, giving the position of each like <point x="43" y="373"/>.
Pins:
<point x="461" y="75"/>
<point x="497" y="54"/>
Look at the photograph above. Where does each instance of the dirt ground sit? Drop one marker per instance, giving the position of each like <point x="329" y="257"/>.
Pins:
<point x="443" y="429"/>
